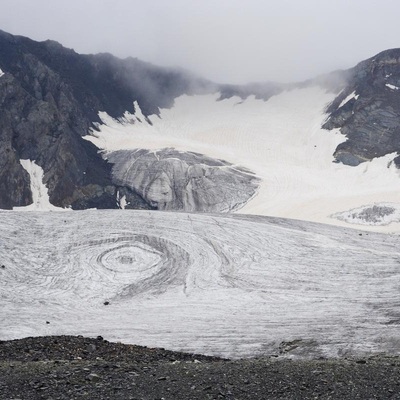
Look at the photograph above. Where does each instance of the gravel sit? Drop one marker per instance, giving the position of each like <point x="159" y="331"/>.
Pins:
<point x="67" y="367"/>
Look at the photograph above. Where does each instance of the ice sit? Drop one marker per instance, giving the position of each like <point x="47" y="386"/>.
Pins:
<point x="233" y="285"/>
<point x="281" y="140"/>
<point x="40" y="196"/>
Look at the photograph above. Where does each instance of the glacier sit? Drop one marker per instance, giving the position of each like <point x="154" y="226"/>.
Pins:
<point x="277" y="279"/>
<point x="280" y="140"/>
<point x="231" y="285"/>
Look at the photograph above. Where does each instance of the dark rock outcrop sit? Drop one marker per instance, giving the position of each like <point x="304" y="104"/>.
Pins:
<point x="370" y="118"/>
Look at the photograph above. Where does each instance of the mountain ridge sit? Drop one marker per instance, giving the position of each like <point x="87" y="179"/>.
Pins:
<point x="51" y="96"/>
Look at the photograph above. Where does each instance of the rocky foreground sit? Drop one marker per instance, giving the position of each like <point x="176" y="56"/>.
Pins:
<point x="66" y="367"/>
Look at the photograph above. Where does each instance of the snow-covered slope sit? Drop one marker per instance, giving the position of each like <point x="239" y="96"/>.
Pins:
<point x="40" y="195"/>
<point x="231" y="285"/>
<point x="280" y="139"/>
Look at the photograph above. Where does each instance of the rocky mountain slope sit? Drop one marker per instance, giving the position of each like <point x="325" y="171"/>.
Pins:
<point x="367" y="110"/>
<point x="51" y="97"/>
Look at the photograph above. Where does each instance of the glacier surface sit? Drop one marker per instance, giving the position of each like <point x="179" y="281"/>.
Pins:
<point x="232" y="285"/>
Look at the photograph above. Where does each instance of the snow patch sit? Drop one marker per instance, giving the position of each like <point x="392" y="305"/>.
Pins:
<point x="1" y="73"/>
<point x="349" y="97"/>
<point x="39" y="190"/>
<point x="391" y="86"/>
<point x="121" y="201"/>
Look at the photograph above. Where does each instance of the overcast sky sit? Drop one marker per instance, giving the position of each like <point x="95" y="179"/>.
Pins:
<point x="223" y="40"/>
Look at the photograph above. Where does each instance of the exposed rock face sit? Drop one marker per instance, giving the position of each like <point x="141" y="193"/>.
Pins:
<point x="50" y="97"/>
<point x="367" y="111"/>
<point x="173" y="180"/>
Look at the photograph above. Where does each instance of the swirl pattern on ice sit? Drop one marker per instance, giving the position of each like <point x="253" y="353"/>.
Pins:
<point x="231" y="285"/>
<point x="131" y="264"/>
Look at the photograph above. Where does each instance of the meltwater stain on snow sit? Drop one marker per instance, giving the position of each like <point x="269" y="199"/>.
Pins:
<point x="39" y="190"/>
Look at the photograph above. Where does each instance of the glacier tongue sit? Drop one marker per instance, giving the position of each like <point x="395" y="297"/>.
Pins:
<point x="233" y="285"/>
<point x="183" y="181"/>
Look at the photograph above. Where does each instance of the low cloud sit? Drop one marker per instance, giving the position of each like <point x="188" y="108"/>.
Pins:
<point x="225" y="41"/>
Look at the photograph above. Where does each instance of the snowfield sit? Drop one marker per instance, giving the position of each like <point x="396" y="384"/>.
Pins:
<point x="281" y="140"/>
<point x="230" y="285"/>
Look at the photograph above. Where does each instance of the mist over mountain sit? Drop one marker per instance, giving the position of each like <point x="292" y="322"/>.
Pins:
<point x="51" y="98"/>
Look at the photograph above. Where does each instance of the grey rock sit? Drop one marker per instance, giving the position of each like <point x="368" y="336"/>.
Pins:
<point x="371" y="122"/>
<point x="370" y="214"/>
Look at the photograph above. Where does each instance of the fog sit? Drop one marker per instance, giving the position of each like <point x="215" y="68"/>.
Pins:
<point x="228" y="41"/>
